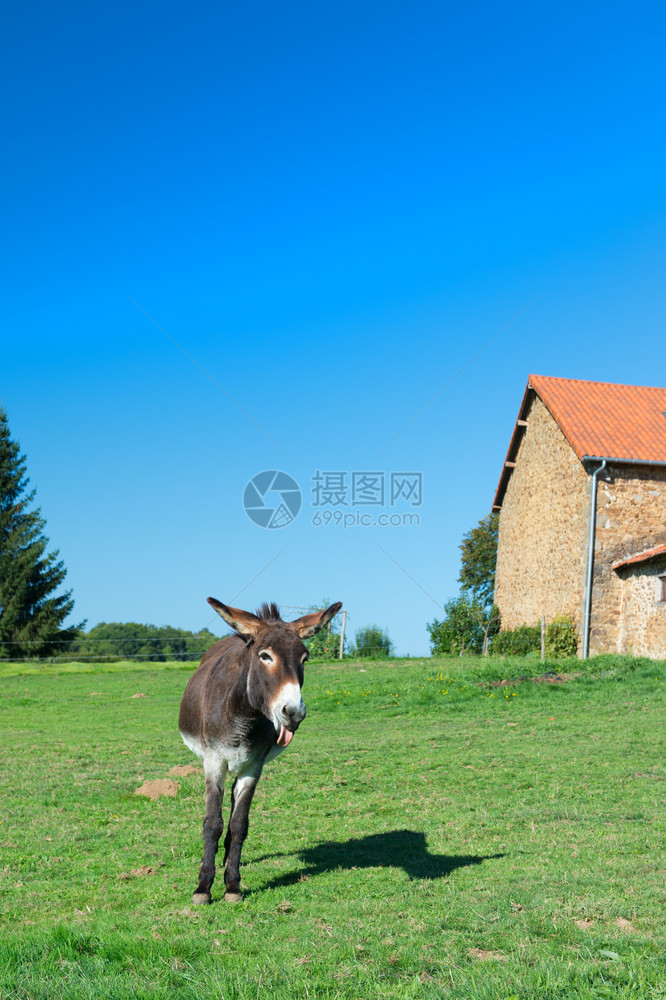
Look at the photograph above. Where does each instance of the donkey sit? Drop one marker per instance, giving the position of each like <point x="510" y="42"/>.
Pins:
<point x="241" y="709"/>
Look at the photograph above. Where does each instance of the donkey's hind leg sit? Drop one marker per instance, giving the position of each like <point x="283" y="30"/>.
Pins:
<point x="215" y="773"/>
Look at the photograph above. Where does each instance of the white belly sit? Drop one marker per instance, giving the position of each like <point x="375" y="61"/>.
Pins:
<point x="221" y="758"/>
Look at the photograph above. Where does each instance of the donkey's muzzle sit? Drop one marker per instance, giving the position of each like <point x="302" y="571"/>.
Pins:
<point x="288" y="711"/>
<point x="293" y="715"/>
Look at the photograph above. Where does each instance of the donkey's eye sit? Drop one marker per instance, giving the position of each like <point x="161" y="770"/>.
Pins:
<point x="266" y="657"/>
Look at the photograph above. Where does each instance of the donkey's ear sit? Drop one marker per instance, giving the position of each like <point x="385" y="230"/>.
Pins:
<point x="244" y="622"/>
<point x="309" y="625"/>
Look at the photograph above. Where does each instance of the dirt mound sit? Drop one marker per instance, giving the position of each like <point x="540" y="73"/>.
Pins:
<point x="155" y="789"/>
<point x="547" y="678"/>
<point x="554" y="678"/>
<point x="138" y="872"/>
<point x="483" y="955"/>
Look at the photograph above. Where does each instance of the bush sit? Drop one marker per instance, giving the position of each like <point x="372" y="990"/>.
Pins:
<point x="519" y="641"/>
<point x="371" y="640"/>
<point x="561" y="637"/>
<point x="325" y="645"/>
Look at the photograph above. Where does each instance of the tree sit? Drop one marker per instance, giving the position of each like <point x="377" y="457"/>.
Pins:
<point x="31" y="616"/>
<point x="479" y="560"/>
<point x="490" y="622"/>
<point x="373" y="641"/>
<point x="471" y="619"/>
<point x="466" y="627"/>
<point x="125" y="640"/>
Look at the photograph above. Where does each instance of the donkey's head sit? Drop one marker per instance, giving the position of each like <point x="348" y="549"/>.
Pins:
<point x="277" y="658"/>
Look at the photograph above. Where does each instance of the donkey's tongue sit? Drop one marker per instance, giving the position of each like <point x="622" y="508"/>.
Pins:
<point x="285" y="737"/>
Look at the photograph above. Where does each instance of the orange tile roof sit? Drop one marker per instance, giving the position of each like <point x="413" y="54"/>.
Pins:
<point x="607" y="420"/>
<point x="599" y="419"/>
<point x="658" y="550"/>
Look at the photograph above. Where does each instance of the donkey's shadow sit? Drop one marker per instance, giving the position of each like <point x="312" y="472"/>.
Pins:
<point x="406" y="849"/>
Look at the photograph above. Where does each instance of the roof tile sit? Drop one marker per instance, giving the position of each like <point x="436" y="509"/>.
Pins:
<point x="658" y="550"/>
<point x="604" y="419"/>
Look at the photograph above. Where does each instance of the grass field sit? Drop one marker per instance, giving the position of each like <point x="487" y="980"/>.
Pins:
<point x="428" y="833"/>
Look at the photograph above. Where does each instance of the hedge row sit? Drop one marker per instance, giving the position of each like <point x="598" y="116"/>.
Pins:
<point x="561" y="639"/>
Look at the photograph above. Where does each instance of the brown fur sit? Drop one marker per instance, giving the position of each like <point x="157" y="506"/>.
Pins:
<point x="232" y="715"/>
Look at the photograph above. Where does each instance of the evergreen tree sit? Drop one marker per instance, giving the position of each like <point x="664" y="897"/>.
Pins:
<point x="30" y="615"/>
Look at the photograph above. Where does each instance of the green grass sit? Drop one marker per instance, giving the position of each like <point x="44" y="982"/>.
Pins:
<point x="428" y="833"/>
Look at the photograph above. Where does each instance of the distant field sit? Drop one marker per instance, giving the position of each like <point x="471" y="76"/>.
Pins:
<point x="429" y="833"/>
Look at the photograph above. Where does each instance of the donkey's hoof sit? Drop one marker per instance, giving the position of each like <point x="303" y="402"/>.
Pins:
<point x="200" y="898"/>
<point x="233" y="897"/>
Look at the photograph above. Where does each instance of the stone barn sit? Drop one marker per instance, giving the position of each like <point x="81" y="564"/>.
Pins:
<point x="582" y="502"/>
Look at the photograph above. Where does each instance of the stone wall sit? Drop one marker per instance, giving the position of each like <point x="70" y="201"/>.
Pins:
<point x="543" y="539"/>
<point x="631" y="517"/>
<point x="642" y="630"/>
<point x="544" y="523"/>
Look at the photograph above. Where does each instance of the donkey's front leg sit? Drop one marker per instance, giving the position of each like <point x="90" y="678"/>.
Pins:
<point x="241" y="800"/>
<point x="212" y="830"/>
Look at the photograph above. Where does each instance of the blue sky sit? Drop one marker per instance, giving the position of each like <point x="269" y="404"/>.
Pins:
<point x="331" y="211"/>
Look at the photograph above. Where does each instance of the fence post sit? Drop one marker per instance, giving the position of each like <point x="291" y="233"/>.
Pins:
<point x="342" y="635"/>
<point x="543" y="637"/>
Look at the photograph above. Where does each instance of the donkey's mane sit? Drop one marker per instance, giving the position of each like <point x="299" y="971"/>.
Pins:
<point x="268" y="613"/>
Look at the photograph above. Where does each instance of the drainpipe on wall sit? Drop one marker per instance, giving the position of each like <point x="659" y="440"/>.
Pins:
<point x="590" y="560"/>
